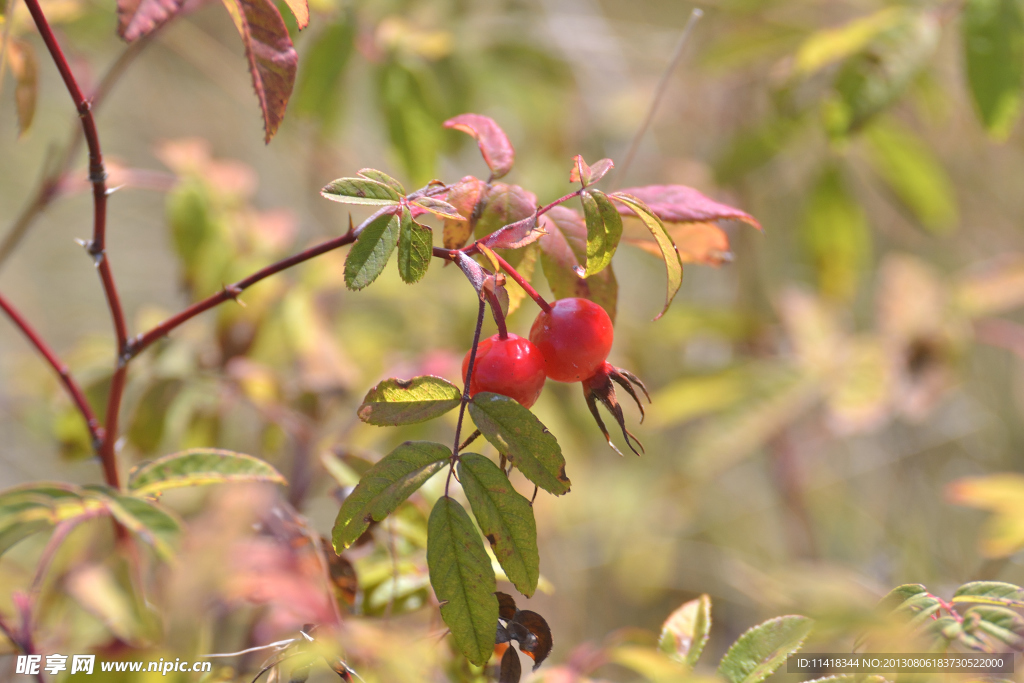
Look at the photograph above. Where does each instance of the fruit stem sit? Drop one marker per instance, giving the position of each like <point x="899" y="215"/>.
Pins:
<point x="499" y="315"/>
<point x="465" y="394"/>
<point x="521" y="281"/>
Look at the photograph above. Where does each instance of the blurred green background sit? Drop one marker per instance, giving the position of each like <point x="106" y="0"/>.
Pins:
<point x="813" y="398"/>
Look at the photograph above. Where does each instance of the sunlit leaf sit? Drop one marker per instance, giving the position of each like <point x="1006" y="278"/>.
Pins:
<point x="147" y="520"/>
<point x="494" y="144"/>
<point x="462" y="579"/>
<point x="514" y="235"/>
<point x="670" y="255"/>
<point x="373" y="248"/>
<point x="1000" y="624"/>
<point x="563" y="253"/>
<point x="682" y="204"/>
<point x="520" y="436"/>
<point x="585" y="174"/>
<point x="991" y="593"/>
<point x="504" y="204"/>
<point x="382" y="177"/>
<point x="831" y="45"/>
<point x="272" y="58"/>
<point x="604" y="228"/>
<point x="836" y="234"/>
<point x="703" y="243"/>
<point x="399" y="402"/>
<point x="914" y="175"/>
<point x="199" y="467"/>
<point x="30" y="508"/>
<point x="879" y="74"/>
<point x="464" y="196"/>
<point x="505" y="517"/>
<point x="138" y="18"/>
<point x="25" y="68"/>
<point x="386" y="486"/>
<point x="993" y="36"/>
<point x="764" y="648"/>
<point x="438" y="207"/>
<point x="1003" y="495"/>
<point x="300" y="10"/>
<point x="685" y="633"/>
<point x="361" y="191"/>
<point x="415" y="245"/>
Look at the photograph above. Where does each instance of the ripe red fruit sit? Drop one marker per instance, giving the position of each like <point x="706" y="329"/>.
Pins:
<point x="512" y="367"/>
<point x="574" y="337"/>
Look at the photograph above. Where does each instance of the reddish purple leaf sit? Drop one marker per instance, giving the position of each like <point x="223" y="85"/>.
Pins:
<point x="464" y="196"/>
<point x="682" y="204"/>
<point x="515" y="235"/>
<point x="493" y="142"/>
<point x="590" y="174"/>
<point x="272" y="58"/>
<point x="138" y="18"/>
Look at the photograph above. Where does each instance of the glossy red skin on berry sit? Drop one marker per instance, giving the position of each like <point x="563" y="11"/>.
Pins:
<point x="512" y="367"/>
<point x="574" y="338"/>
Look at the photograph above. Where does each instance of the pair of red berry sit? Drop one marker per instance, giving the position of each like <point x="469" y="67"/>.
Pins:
<point x="568" y="343"/>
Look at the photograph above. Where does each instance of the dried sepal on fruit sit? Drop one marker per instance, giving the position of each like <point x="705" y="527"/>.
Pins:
<point x="599" y="388"/>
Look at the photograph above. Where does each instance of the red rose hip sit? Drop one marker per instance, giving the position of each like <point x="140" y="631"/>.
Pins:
<point x="574" y="337"/>
<point x="512" y="367"/>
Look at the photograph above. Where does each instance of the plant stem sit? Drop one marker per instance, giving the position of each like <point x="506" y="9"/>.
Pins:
<point x="521" y="281"/>
<point x="49" y="183"/>
<point x="561" y="200"/>
<point x="465" y="393"/>
<point x="97" y="246"/>
<point x="95" y="429"/>
<point x="143" y="341"/>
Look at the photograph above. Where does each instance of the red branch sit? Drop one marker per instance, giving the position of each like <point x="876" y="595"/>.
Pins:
<point x="232" y="291"/>
<point x="97" y="246"/>
<point x="95" y="430"/>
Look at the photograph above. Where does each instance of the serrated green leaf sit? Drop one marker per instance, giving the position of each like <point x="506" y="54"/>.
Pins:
<point x="900" y="594"/>
<point x="764" y="648"/>
<point x="360" y="191"/>
<point x="386" y="486"/>
<point x="669" y="253"/>
<point x="415" y="249"/>
<point x="914" y="175"/>
<point x="506" y="519"/>
<point x="396" y="402"/>
<point x="371" y="251"/>
<point x="27" y="509"/>
<point x="604" y="229"/>
<point x="686" y="631"/>
<point x="990" y="593"/>
<point x="463" y="580"/>
<point x="563" y="253"/>
<point x="993" y="36"/>
<point x="198" y="467"/>
<point x="520" y="436"/>
<point x="1000" y="623"/>
<point x="382" y="177"/>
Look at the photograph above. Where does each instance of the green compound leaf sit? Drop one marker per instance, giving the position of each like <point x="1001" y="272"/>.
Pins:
<point x="1000" y="624"/>
<point x="506" y="519"/>
<point x="463" y="580"/>
<point x="521" y="437"/>
<point x="382" y="177"/>
<point x="669" y="253"/>
<point x="764" y="648"/>
<point x="396" y="402"/>
<point x="361" y="191"/>
<point x="604" y="229"/>
<point x="25" y="510"/>
<point x="685" y="632"/>
<point x="990" y="593"/>
<point x="415" y="245"/>
<point x="993" y="36"/>
<point x="371" y="251"/>
<point x="385" y="486"/>
<point x="198" y="467"/>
